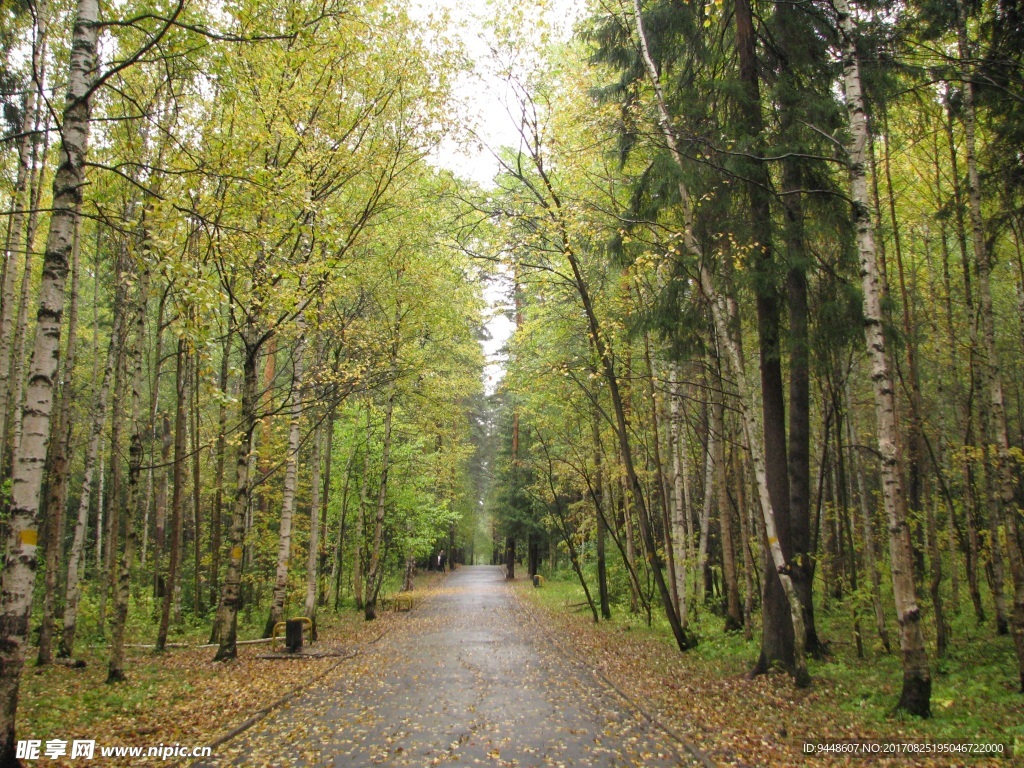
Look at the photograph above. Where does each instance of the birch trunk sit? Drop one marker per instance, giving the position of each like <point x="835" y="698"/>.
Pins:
<point x="154" y="402"/>
<point x="708" y="503"/>
<point x="76" y="558"/>
<point x="26" y="477"/>
<point x="733" y="618"/>
<point x="218" y="482"/>
<point x="313" y="555"/>
<point x="748" y="559"/>
<point x="339" y="543"/>
<point x="916" y="694"/>
<point x="21" y="326"/>
<point x="134" y="498"/>
<point x="291" y="474"/>
<point x="20" y="202"/>
<point x="226" y="629"/>
<point x="660" y="485"/>
<point x="57" y="471"/>
<point x="681" y="501"/>
<point x="867" y="529"/>
<point x="177" y="494"/>
<point x="106" y="555"/>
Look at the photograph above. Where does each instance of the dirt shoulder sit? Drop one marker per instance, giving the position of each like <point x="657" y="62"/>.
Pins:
<point x="181" y="697"/>
<point x="736" y="721"/>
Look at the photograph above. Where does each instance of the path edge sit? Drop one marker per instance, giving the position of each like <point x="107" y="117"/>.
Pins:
<point x="261" y="714"/>
<point x="693" y="750"/>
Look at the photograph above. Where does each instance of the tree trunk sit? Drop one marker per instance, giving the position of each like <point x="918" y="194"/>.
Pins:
<point x="704" y="542"/>
<point x="916" y="694"/>
<point x="20" y="202"/>
<point x="106" y="555"/>
<point x="740" y="479"/>
<point x="998" y="468"/>
<point x="777" y="644"/>
<point x="339" y="543"/>
<point x="76" y="558"/>
<point x="364" y="506"/>
<point x="160" y="532"/>
<point x="660" y="486"/>
<point x="26" y="476"/>
<point x="218" y="481"/>
<point x="681" y="499"/>
<point x="867" y="529"/>
<point x="291" y="473"/>
<point x="596" y="490"/>
<point x="230" y="597"/>
<point x="313" y="554"/>
<point x="375" y="574"/>
<point x="22" y="327"/>
<point x="133" y="498"/>
<point x="327" y="596"/>
<point x="791" y="91"/>
<point x="177" y="493"/>
<point x="733" y="618"/>
<point x="57" y="470"/>
<point x="723" y="320"/>
<point x="197" y="533"/>
<point x="151" y="423"/>
<point x="510" y="557"/>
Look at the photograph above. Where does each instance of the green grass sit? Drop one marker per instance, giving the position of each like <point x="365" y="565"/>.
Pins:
<point x="974" y="694"/>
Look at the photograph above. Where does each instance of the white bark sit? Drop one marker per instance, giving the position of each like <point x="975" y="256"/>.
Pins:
<point x="998" y="468"/>
<point x="27" y="473"/>
<point x="134" y="499"/>
<point x="916" y="673"/>
<point x="313" y="555"/>
<point x="290" y="480"/>
<point x="680" y="506"/>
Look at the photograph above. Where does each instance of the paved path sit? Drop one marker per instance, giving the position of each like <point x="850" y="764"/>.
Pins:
<point x="468" y="679"/>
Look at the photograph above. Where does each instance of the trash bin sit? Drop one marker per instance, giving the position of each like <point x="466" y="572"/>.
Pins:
<point x="293" y="634"/>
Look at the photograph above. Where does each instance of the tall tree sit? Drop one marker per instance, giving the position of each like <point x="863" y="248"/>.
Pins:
<point x="26" y="477"/>
<point x="916" y="695"/>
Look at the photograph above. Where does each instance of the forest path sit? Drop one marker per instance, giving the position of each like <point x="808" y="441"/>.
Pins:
<point x="468" y="679"/>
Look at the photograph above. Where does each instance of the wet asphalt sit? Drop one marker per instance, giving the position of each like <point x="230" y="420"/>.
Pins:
<point x="469" y="678"/>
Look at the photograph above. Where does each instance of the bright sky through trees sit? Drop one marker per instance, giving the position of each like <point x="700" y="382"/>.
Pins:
<point x="490" y="108"/>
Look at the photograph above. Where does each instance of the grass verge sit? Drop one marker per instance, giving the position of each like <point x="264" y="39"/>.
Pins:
<point x="705" y="696"/>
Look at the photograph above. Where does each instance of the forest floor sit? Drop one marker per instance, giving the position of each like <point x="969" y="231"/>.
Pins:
<point x="368" y="695"/>
<point x="180" y="697"/>
<point x="705" y="696"/>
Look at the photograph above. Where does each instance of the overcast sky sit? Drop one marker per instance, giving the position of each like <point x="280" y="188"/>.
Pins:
<point x="485" y="99"/>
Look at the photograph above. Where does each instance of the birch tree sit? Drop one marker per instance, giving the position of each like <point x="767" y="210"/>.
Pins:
<point x="18" y="576"/>
<point x="916" y="694"/>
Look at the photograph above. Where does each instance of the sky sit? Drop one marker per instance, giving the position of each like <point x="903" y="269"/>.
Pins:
<point x="485" y="99"/>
